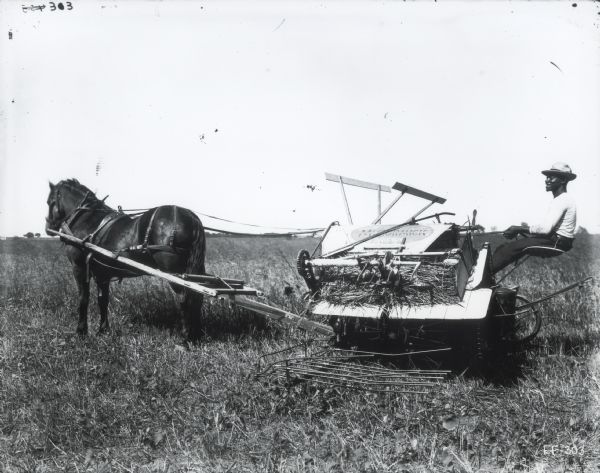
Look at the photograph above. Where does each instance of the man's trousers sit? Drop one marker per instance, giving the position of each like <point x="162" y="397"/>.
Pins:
<point x="512" y="251"/>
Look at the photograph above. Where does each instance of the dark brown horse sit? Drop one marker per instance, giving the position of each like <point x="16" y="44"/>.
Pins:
<point x="169" y="238"/>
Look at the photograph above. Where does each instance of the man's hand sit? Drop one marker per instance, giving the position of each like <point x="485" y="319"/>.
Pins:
<point x="514" y="230"/>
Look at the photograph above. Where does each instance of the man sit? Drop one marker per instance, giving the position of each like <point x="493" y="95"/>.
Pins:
<point x="557" y="230"/>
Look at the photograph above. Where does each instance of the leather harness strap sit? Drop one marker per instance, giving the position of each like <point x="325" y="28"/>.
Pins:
<point x="106" y="223"/>
<point x="149" y="228"/>
<point x="88" y="259"/>
<point x="145" y="247"/>
<point x="78" y="208"/>
<point x="149" y="248"/>
<point x="172" y="235"/>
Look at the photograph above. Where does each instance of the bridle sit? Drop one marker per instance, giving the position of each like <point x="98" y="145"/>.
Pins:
<point x="67" y="219"/>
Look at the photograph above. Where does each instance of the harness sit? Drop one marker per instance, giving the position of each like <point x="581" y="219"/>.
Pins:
<point x="65" y="226"/>
<point x="104" y="227"/>
<point x="170" y="247"/>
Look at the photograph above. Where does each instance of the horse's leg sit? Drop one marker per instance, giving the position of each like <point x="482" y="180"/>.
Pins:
<point x="83" y="284"/>
<point x="184" y="230"/>
<point x="191" y="311"/>
<point x="103" y="288"/>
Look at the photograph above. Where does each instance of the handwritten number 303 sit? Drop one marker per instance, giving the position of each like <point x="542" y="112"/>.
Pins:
<point x="60" y="6"/>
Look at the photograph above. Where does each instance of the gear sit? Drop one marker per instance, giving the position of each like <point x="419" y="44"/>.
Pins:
<point x="305" y="270"/>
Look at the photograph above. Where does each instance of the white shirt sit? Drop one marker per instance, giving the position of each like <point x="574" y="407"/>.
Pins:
<point x="561" y="218"/>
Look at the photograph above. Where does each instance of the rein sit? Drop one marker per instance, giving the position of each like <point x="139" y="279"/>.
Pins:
<point x="299" y="231"/>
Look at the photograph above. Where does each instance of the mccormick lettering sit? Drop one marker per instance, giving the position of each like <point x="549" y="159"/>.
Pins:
<point x="411" y="233"/>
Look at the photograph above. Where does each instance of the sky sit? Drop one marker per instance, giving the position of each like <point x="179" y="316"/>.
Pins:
<point x="238" y="109"/>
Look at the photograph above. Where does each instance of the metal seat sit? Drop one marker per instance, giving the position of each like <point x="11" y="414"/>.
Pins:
<point x="539" y="251"/>
<point x="542" y="251"/>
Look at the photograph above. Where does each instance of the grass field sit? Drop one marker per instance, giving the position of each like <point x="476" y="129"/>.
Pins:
<point x="136" y="400"/>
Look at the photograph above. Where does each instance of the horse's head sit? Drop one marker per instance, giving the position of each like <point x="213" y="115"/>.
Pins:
<point x="64" y="198"/>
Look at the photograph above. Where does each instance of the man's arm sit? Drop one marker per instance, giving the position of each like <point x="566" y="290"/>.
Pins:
<point x="514" y="230"/>
<point x="551" y="221"/>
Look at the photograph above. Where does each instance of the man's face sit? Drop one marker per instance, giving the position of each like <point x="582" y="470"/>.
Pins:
<point x="553" y="183"/>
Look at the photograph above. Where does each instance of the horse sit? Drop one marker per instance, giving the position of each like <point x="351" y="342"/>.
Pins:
<point x="168" y="238"/>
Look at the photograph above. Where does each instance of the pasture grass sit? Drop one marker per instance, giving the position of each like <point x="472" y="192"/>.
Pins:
<point x="135" y="399"/>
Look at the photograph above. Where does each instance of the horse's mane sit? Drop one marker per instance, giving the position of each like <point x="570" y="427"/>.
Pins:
<point x="74" y="184"/>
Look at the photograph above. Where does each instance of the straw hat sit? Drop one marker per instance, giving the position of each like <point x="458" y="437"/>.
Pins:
<point x="561" y="170"/>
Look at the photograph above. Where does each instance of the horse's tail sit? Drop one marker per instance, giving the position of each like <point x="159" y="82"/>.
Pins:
<point x="195" y="262"/>
<point x="192" y="300"/>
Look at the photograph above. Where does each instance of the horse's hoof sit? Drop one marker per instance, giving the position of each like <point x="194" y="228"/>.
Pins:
<point x="82" y="330"/>
<point x="193" y="335"/>
<point x="103" y="330"/>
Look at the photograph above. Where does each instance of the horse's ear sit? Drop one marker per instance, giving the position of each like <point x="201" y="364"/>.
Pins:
<point x="51" y="185"/>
